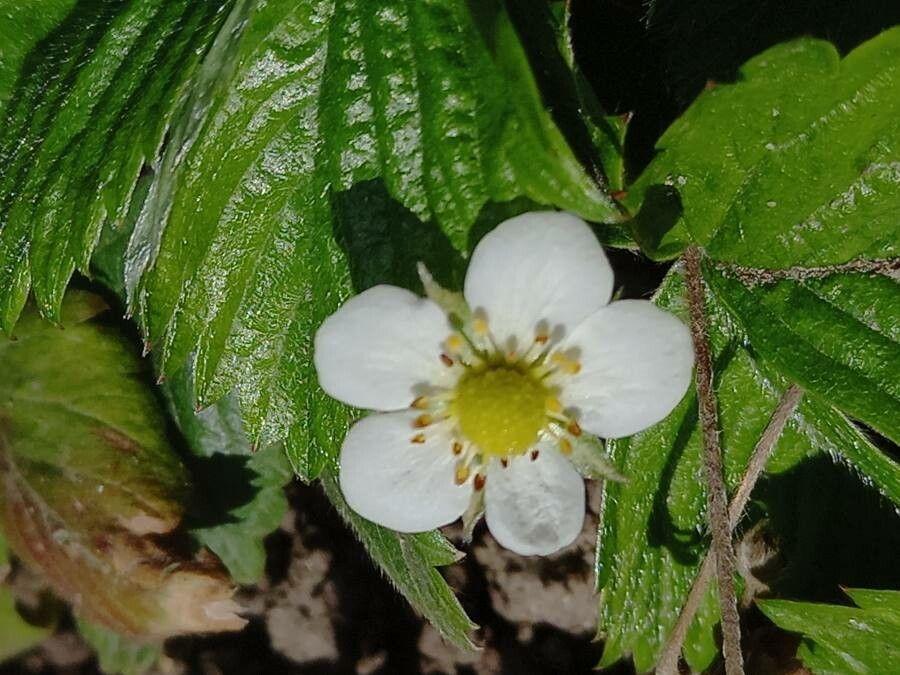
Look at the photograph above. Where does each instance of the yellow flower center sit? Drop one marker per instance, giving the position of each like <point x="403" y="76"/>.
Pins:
<point x="501" y="409"/>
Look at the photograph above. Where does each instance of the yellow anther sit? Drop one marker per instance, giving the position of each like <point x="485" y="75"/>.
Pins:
<point x="454" y="343"/>
<point x="418" y="439"/>
<point x="457" y="448"/>
<point x="565" y="364"/>
<point x="480" y="326"/>
<point x="421" y="403"/>
<point x="423" y="421"/>
<point x="462" y="473"/>
<point x="565" y="446"/>
<point x="554" y="406"/>
<point x="574" y="428"/>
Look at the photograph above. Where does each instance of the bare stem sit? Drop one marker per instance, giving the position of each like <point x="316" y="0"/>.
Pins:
<point x="668" y="661"/>
<point x="717" y="497"/>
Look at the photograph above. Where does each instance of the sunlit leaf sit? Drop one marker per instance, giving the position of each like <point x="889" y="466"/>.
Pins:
<point x="796" y="163"/>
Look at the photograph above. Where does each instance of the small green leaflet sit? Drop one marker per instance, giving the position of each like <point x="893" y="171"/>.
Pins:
<point x="243" y="499"/>
<point x="796" y="164"/>
<point x="840" y="640"/>
<point x="314" y="97"/>
<point x="652" y="534"/>
<point x="91" y="105"/>
<point x="16" y="634"/>
<point x="116" y="654"/>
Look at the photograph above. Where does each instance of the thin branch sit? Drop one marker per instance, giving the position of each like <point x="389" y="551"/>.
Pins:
<point x="757" y="276"/>
<point x="668" y="661"/>
<point x="717" y="498"/>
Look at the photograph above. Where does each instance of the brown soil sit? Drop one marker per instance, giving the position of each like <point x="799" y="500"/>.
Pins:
<point x="324" y="608"/>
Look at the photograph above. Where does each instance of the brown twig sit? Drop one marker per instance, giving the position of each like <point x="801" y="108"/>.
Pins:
<point x="757" y="276"/>
<point x="668" y="660"/>
<point x="717" y="498"/>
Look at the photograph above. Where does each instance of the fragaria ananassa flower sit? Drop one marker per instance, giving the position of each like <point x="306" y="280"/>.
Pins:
<point x="482" y="399"/>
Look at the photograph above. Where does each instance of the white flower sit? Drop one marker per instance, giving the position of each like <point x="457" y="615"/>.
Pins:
<point x="492" y="408"/>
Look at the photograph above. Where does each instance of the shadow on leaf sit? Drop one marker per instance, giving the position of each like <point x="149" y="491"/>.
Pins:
<point x="224" y="483"/>
<point x="383" y="241"/>
<point x="660" y="211"/>
<point x="685" y="545"/>
<point x="831" y="530"/>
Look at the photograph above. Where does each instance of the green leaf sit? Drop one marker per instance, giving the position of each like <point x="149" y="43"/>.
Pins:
<point x="409" y="560"/>
<point x="837" y="337"/>
<point x="89" y="481"/>
<point x="116" y="654"/>
<point x="652" y="533"/>
<point x="839" y="640"/>
<point x="16" y="634"/>
<point x="435" y="99"/>
<point x="238" y="542"/>
<point x="796" y="164"/>
<point x="91" y="105"/>
<point x="237" y="530"/>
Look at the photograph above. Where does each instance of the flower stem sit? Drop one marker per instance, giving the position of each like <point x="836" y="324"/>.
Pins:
<point x="717" y="498"/>
<point x="668" y="660"/>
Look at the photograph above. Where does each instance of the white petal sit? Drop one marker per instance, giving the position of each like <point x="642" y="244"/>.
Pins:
<point x="408" y="487"/>
<point x="379" y="347"/>
<point x="534" y="507"/>
<point x="540" y="266"/>
<point x="636" y="363"/>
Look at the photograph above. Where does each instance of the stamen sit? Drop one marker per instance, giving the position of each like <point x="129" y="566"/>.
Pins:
<point x="565" y="364"/>
<point x="480" y="326"/>
<point x="417" y="439"/>
<point x="574" y="428"/>
<point x="446" y="360"/>
<point x="504" y="462"/>
<point x="454" y="343"/>
<point x="541" y="338"/>
<point x="565" y="446"/>
<point x="462" y="473"/>
<point x="457" y="448"/>
<point x="423" y="421"/>
<point x="479" y="482"/>
<point x="534" y="455"/>
<point x="554" y="406"/>
<point x="421" y="403"/>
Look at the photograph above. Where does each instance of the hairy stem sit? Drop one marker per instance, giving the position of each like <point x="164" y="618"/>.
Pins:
<point x="717" y="497"/>
<point x="756" y="276"/>
<point x="668" y="661"/>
